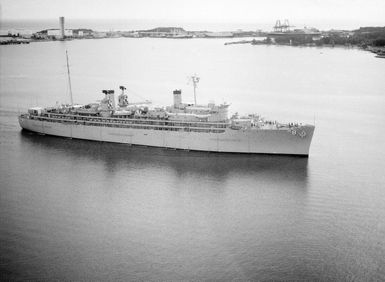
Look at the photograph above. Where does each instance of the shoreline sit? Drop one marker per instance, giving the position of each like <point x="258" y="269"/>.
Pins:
<point x="380" y="51"/>
<point x="300" y="40"/>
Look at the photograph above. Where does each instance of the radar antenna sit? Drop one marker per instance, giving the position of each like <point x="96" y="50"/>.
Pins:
<point x="195" y="79"/>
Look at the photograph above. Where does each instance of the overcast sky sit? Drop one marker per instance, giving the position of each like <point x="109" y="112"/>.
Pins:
<point x="360" y="12"/>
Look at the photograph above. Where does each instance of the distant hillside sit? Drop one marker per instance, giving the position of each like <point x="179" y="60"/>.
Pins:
<point x="165" y="29"/>
<point x="364" y="36"/>
<point x="370" y="35"/>
<point x="370" y="29"/>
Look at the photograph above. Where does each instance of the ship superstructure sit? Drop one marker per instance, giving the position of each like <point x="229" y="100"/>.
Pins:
<point x="179" y="126"/>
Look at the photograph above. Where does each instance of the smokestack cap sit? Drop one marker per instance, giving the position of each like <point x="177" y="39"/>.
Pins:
<point x="177" y="91"/>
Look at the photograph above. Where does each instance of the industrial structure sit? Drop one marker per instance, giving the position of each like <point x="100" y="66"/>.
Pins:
<point x="285" y="27"/>
<point x="282" y="34"/>
<point x="62" y="33"/>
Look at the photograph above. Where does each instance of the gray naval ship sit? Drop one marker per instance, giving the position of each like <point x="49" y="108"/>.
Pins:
<point x="179" y="126"/>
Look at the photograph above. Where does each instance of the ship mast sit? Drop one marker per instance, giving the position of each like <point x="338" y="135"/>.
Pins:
<point x="69" y="79"/>
<point x="195" y="80"/>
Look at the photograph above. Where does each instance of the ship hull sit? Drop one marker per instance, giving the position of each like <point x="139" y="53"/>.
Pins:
<point x="252" y="141"/>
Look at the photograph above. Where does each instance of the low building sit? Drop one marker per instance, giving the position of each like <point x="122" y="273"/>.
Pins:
<point x="57" y="32"/>
<point x="133" y="34"/>
<point x="82" y="33"/>
<point x="99" y="34"/>
<point x="222" y="34"/>
<point x="52" y="34"/>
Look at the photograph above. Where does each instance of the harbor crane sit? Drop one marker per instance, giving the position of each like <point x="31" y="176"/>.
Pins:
<point x="285" y="27"/>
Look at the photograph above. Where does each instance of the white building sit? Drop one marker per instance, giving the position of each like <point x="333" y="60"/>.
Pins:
<point x="57" y="32"/>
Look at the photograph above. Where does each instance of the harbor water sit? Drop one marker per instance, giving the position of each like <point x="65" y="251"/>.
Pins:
<point x="82" y="210"/>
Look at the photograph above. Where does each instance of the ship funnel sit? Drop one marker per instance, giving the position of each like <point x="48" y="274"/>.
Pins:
<point x="111" y="99"/>
<point x="122" y="98"/>
<point x="177" y="97"/>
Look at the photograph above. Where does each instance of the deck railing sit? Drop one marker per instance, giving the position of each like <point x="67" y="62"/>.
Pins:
<point x="167" y="125"/>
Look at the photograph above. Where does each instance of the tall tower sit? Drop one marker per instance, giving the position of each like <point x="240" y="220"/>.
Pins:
<point x="61" y="20"/>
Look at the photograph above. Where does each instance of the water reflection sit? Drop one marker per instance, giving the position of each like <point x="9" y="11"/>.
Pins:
<point x="284" y="169"/>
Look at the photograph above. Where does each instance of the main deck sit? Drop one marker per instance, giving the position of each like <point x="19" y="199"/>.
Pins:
<point x="148" y="123"/>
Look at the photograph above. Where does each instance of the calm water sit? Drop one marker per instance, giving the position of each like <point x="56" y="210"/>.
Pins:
<point x="75" y="210"/>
